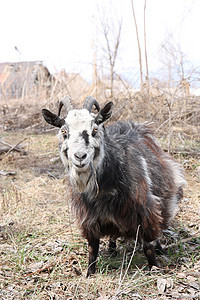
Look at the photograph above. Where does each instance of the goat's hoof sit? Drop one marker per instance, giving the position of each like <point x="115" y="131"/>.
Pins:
<point x="90" y="273"/>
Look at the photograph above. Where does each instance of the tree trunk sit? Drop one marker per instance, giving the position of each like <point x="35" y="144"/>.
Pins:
<point x="139" y="49"/>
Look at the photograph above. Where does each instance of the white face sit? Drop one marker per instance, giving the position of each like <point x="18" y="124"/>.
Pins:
<point x="80" y="139"/>
<point x="81" y="142"/>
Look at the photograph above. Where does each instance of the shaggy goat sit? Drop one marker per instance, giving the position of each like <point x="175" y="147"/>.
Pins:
<point x="121" y="178"/>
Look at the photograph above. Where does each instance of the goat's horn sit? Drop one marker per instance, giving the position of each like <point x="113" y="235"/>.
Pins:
<point x="66" y="102"/>
<point x="89" y="102"/>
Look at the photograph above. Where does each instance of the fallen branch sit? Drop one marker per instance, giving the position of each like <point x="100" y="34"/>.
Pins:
<point x="4" y="149"/>
<point x="10" y="148"/>
<point x="48" y="267"/>
<point x="5" y="173"/>
<point x="14" y="147"/>
<point x="182" y="241"/>
<point x="182" y="152"/>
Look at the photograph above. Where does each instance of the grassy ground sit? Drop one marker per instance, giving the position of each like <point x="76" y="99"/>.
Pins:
<point x="43" y="255"/>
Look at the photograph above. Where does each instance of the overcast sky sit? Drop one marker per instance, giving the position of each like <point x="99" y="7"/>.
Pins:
<point x="61" y="32"/>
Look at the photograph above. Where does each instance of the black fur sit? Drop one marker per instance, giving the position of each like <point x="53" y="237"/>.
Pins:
<point x="85" y="136"/>
<point x="125" y="200"/>
<point x="96" y="152"/>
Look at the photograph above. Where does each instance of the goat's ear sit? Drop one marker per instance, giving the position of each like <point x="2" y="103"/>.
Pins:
<point x="52" y="118"/>
<point x="104" y="114"/>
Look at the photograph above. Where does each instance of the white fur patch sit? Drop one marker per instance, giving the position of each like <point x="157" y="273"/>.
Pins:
<point x="146" y="171"/>
<point x="177" y="172"/>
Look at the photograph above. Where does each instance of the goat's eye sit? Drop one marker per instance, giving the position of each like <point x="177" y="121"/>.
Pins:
<point x="65" y="132"/>
<point x="94" y="131"/>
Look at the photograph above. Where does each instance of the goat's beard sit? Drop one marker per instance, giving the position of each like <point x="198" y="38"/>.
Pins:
<point x="84" y="181"/>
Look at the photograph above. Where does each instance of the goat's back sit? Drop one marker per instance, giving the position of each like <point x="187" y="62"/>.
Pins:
<point x="148" y="164"/>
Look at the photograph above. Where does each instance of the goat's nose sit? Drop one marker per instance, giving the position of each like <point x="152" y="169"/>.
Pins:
<point x="80" y="156"/>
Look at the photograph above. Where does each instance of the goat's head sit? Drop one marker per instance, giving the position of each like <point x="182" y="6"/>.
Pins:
<point x="81" y="139"/>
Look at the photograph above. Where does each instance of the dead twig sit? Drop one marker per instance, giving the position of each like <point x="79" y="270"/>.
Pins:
<point x="133" y="253"/>
<point x="184" y="152"/>
<point x="10" y="146"/>
<point x="182" y="241"/>
<point x="48" y="267"/>
<point x="14" y="147"/>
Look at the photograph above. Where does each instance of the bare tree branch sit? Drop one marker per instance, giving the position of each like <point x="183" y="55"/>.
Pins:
<point x="139" y="48"/>
<point x="145" y="46"/>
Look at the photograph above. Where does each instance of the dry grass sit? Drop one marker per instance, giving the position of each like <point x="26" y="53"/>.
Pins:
<point x="42" y="253"/>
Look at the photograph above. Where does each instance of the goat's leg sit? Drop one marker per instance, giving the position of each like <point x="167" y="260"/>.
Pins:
<point x="159" y="249"/>
<point x="93" y="245"/>
<point x="112" y="245"/>
<point x="149" y="250"/>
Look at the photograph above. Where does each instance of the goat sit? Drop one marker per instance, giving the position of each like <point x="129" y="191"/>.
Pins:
<point x="120" y="177"/>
